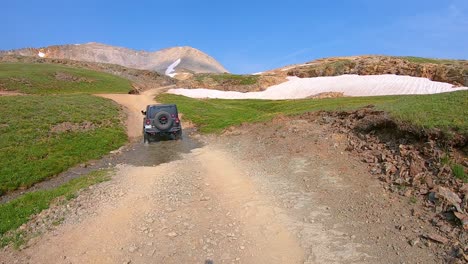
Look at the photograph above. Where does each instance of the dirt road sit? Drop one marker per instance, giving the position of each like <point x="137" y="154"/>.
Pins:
<point x="133" y="104"/>
<point x="264" y="193"/>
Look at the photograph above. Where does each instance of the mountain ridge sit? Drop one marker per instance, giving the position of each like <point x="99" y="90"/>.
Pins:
<point x="192" y="59"/>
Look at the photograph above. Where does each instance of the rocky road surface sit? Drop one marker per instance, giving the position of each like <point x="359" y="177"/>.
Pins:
<point x="263" y="193"/>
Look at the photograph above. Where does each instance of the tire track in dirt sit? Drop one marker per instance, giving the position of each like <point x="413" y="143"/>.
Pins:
<point x="272" y="243"/>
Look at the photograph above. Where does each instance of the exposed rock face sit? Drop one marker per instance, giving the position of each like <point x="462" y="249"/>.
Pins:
<point x="449" y="71"/>
<point x="191" y="59"/>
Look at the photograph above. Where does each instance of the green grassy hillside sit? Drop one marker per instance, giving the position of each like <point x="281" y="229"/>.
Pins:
<point x="448" y="111"/>
<point x="41" y="136"/>
<point x="58" y="79"/>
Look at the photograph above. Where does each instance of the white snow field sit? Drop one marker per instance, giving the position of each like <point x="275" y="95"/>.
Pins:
<point x="170" y="70"/>
<point x="350" y="85"/>
<point x="41" y="54"/>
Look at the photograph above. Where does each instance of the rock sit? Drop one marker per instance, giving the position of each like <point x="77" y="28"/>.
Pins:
<point x="414" y="242"/>
<point x="416" y="167"/>
<point x="132" y="248"/>
<point x="429" y="182"/>
<point x="449" y="196"/>
<point x="436" y="238"/>
<point x="389" y="168"/>
<point x="407" y="193"/>
<point x="432" y="197"/>
<point x="172" y="234"/>
<point x="463" y="218"/>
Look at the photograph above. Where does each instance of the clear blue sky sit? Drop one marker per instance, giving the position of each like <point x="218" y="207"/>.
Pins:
<point x="246" y="36"/>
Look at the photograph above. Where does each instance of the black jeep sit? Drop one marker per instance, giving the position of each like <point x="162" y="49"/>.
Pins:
<point x="161" y="120"/>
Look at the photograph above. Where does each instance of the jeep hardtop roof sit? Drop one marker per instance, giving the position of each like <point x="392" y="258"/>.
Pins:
<point x="161" y="105"/>
<point x="155" y="108"/>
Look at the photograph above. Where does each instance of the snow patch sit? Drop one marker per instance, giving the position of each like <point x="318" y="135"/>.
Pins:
<point x="41" y="54"/>
<point x="170" y="70"/>
<point x="350" y="85"/>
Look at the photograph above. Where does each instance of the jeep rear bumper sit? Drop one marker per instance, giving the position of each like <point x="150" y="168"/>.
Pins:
<point x="154" y="131"/>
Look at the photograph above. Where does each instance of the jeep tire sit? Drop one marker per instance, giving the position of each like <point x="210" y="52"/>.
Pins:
<point x="160" y="124"/>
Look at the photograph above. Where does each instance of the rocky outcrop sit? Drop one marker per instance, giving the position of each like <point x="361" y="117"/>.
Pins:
<point x="449" y="71"/>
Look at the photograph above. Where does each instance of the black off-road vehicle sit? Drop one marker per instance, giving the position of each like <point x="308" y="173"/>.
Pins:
<point x="161" y="120"/>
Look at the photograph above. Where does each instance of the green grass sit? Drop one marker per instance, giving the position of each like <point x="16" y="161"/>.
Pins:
<point x="18" y="211"/>
<point x="233" y="79"/>
<point x="428" y="60"/>
<point x="30" y="152"/>
<point x="458" y="172"/>
<point x="41" y="79"/>
<point x="448" y="111"/>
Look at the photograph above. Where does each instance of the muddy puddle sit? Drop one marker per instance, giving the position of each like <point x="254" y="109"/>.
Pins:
<point x="156" y="153"/>
<point x="135" y="153"/>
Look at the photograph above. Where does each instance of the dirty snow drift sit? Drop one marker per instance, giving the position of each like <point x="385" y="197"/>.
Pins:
<point x="170" y="70"/>
<point x="350" y="85"/>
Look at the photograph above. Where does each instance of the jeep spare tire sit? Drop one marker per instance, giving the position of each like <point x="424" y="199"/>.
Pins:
<point x="163" y="120"/>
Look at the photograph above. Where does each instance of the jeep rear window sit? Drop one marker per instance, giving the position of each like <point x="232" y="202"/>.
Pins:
<point x="155" y="109"/>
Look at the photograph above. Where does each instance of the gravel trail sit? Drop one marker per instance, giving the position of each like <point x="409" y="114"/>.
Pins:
<point x="280" y="192"/>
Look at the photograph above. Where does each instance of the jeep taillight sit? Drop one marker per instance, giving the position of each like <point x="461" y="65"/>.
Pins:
<point x="148" y="121"/>
<point x="177" y="120"/>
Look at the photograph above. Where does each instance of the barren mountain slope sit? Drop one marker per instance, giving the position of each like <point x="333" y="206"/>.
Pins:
<point x="191" y="59"/>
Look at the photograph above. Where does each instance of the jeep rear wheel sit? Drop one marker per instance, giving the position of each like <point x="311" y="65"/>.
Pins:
<point x="163" y="120"/>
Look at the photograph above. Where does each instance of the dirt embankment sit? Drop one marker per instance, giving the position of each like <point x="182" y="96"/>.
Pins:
<point x="416" y="165"/>
<point x="426" y="166"/>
